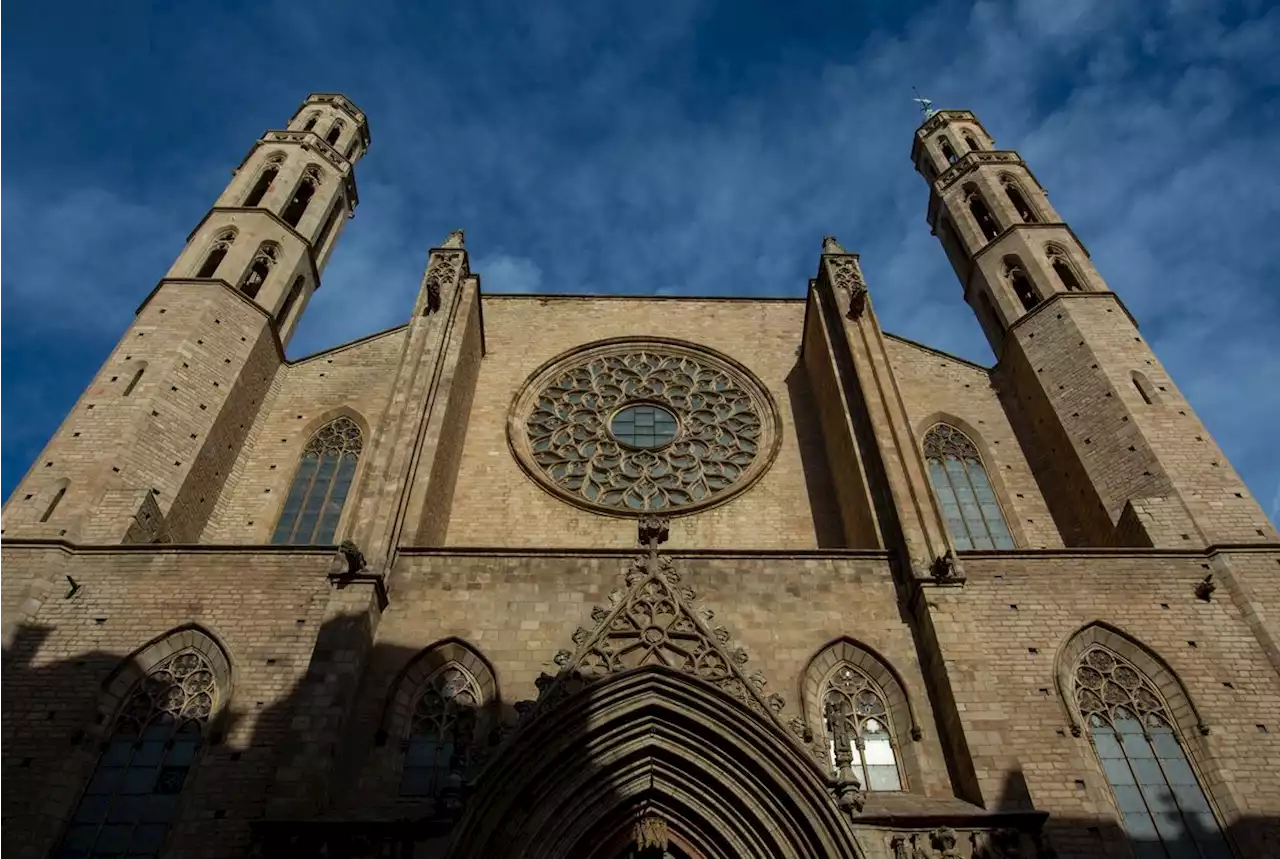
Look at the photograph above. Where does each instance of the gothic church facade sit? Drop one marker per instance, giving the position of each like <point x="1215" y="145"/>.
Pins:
<point x="576" y="576"/>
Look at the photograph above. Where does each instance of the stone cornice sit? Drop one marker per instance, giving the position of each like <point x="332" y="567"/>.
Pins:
<point x="347" y="106"/>
<point x="1073" y="296"/>
<point x="933" y="123"/>
<point x="205" y="283"/>
<point x="971" y="161"/>
<point x="327" y="552"/>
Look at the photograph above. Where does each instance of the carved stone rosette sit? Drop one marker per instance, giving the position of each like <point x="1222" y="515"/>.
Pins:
<point x="726" y="427"/>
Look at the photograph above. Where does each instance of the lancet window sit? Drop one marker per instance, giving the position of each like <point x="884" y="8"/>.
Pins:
<point x="217" y="252"/>
<point x="1163" y="807"/>
<point x="858" y="727"/>
<point x="133" y="797"/>
<point x="439" y="749"/>
<point x="960" y="481"/>
<point x="320" y="486"/>
<point x="263" y="185"/>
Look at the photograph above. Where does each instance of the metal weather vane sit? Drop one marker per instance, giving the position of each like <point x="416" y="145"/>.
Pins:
<point x="926" y="105"/>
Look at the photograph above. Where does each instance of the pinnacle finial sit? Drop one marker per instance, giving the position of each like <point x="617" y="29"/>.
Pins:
<point x="831" y="246"/>
<point x="456" y="240"/>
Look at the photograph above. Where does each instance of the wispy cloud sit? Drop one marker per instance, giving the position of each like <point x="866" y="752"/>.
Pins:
<point x="702" y="148"/>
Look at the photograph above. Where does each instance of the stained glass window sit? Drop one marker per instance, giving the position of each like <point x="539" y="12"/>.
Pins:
<point x="437" y="759"/>
<point x="643" y="426"/>
<point x="853" y="697"/>
<point x="960" y="481"/>
<point x="320" y="486"/>
<point x="1165" y="812"/>
<point x="134" y="794"/>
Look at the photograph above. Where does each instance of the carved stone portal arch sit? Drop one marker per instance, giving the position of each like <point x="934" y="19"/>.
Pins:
<point x="652" y="742"/>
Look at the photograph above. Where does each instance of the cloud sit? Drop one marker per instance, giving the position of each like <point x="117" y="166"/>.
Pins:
<point x="700" y="149"/>
<point x="504" y="273"/>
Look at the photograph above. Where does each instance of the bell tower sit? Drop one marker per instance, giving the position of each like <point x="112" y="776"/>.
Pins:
<point x="1121" y="456"/>
<point x="144" y="453"/>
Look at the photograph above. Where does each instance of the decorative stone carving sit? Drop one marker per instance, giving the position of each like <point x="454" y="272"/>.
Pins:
<point x="971" y="161"/>
<point x="445" y="269"/>
<point x="721" y="434"/>
<point x="831" y="246"/>
<point x="651" y="833"/>
<point x="351" y="556"/>
<point x="947" y="569"/>
<point x="1205" y="589"/>
<point x="456" y="239"/>
<point x="944" y="840"/>
<point x="652" y="623"/>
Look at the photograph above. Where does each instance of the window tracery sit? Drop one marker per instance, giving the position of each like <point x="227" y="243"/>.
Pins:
<point x="1018" y="200"/>
<point x="1062" y="268"/>
<point x="960" y="481"/>
<point x="439" y="749"/>
<point x="856" y="714"/>
<point x="133" y="796"/>
<point x="217" y="252"/>
<point x="311" y="180"/>
<point x="1163" y="807"/>
<point x="265" y="179"/>
<point x="644" y="427"/>
<point x="320" y="486"/>
<point x="263" y="261"/>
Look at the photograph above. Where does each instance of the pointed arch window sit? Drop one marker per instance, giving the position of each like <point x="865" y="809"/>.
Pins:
<point x="311" y="122"/>
<point x="948" y="152"/>
<point x="133" y="796"/>
<point x="1018" y="200"/>
<point x="1066" y="274"/>
<point x="968" y="501"/>
<point x="335" y="131"/>
<point x="439" y="749"/>
<point x="263" y="261"/>
<point x="217" y="252"/>
<point x="263" y="185"/>
<point x="320" y="486"/>
<point x="971" y="143"/>
<point x="1163" y="806"/>
<point x="339" y="206"/>
<point x="858" y="727"/>
<point x="1017" y="277"/>
<point x="978" y="208"/>
<point x="311" y="180"/>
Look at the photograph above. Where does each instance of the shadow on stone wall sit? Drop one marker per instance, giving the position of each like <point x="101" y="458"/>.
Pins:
<point x="575" y="781"/>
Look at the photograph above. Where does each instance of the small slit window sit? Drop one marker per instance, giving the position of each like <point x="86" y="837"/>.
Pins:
<point x="137" y="377"/>
<point x="1145" y="389"/>
<point x="56" y="500"/>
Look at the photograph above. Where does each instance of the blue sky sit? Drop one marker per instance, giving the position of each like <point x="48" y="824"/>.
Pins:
<point x="672" y="147"/>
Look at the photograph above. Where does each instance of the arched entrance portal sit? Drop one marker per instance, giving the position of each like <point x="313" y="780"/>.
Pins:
<point x="654" y="745"/>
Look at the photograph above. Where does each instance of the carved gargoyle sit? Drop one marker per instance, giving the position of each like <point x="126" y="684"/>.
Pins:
<point x="857" y="301"/>
<point x="946" y="568"/>
<point x="352" y="555"/>
<point x="831" y="246"/>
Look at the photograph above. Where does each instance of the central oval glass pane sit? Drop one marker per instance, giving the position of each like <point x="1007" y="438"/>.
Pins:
<point x="644" y="426"/>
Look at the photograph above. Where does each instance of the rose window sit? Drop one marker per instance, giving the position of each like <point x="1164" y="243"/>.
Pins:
<point x="631" y="427"/>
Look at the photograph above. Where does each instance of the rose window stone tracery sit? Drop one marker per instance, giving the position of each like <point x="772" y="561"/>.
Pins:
<point x="634" y="427"/>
